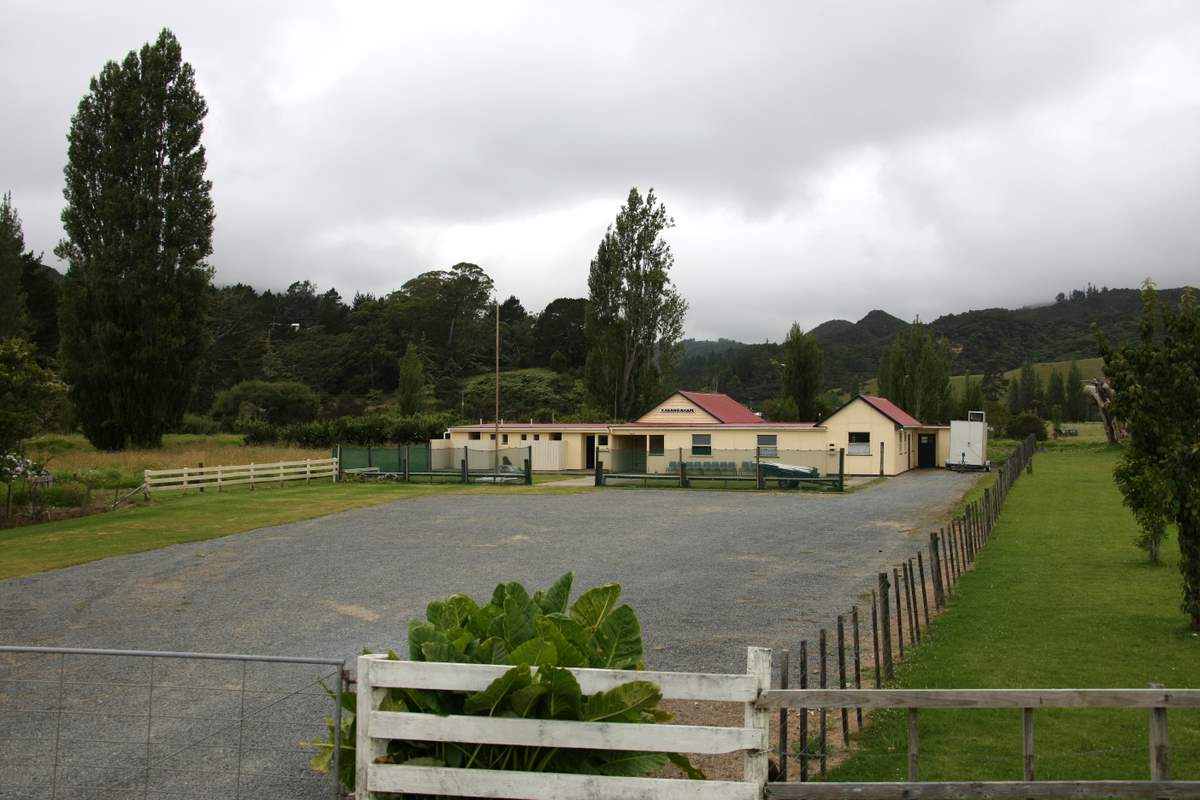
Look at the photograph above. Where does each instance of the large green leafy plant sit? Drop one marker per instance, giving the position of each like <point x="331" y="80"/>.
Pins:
<point x="541" y="636"/>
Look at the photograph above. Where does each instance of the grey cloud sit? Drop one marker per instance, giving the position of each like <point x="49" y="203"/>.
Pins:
<point x="821" y="159"/>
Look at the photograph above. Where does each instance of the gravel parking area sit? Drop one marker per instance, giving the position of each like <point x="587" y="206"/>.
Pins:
<point x="707" y="572"/>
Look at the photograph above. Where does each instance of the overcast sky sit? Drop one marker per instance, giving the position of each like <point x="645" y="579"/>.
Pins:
<point x="820" y="159"/>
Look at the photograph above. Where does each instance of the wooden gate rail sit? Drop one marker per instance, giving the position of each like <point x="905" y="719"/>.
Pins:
<point x="218" y="477"/>
<point x="376" y="674"/>
<point x="1157" y="700"/>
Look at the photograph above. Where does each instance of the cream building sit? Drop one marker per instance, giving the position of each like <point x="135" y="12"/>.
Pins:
<point x="715" y="434"/>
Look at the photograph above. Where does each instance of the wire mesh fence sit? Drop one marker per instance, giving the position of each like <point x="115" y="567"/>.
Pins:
<point x="388" y="458"/>
<point x="114" y="724"/>
<point x="782" y="467"/>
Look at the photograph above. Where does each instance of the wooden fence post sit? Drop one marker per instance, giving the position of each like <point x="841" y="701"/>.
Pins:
<point x="924" y="594"/>
<point x="1027" y="743"/>
<point x="252" y="476"/>
<point x="841" y="642"/>
<point x="899" y="613"/>
<point x="756" y="763"/>
<point x="1159" y="748"/>
<point x="935" y="567"/>
<point x="885" y="625"/>
<point x="881" y="446"/>
<point x="857" y="660"/>
<point x="366" y="748"/>
<point x="913" y="747"/>
<point x="824" y="684"/>
<point x="875" y="640"/>
<point x="803" y="713"/>
<point x="784" y="669"/>
<point x="910" y="600"/>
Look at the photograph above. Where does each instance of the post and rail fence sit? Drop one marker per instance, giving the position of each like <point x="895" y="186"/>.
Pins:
<point x="219" y="477"/>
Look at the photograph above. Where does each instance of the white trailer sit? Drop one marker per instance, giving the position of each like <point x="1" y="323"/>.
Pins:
<point x="968" y="443"/>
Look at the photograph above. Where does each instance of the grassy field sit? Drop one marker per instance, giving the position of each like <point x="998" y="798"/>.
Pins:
<point x="67" y="455"/>
<point x="1060" y="598"/>
<point x="171" y="519"/>
<point x="1088" y="367"/>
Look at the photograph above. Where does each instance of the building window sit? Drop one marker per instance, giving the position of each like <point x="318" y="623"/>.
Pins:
<point x="523" y="437"/>
<point x="504" y="438"/>
<point x="537" y="437"/>
<point x="657" y="445"/>
<point x="556" y="437"/>
<point x="474" y="435"/>
<point x="492" y="436"/>
<point x="768" y="445"/>
<point x="603" y="440"/>
<point x="860" y="444"/>
<point x="702" y="444"/>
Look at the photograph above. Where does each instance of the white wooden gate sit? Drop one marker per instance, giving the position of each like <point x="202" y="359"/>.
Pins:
<point x="376" y="674"/>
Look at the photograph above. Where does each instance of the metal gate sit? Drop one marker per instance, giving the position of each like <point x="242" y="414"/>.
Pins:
<point x="81" y="723"/>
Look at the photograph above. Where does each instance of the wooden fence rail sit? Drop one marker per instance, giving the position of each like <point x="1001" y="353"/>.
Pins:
<point x="376" y="674"/>
<point x="202" y="477"/>
<point x="1156" y="700"/>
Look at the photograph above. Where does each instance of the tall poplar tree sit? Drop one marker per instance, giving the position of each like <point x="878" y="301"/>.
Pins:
<point x="139" y="221"/>
<point x="914" y="373"/>
<point x="13" y="320"/>
<point x="410" y="390"/>
<point x="803" y="371"/>
<point x="634" y="316"/>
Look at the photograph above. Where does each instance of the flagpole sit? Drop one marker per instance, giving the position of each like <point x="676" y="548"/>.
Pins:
<point x="496" y="477"/>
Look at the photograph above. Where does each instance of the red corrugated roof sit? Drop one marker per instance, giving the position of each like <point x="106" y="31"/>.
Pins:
<point x="724" y="408"/>
<point x="761" y="422"/>
<point x="534" y="426"/>
<point x="892" y="411"/>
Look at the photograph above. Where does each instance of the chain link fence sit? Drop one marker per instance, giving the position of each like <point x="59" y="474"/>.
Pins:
<point x="113" y="724"/>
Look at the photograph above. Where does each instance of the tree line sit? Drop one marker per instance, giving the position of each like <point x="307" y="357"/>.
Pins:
<point x="138" y="337"/>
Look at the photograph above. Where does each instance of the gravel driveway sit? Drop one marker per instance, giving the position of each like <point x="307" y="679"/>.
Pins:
<point x="707" y="572"/>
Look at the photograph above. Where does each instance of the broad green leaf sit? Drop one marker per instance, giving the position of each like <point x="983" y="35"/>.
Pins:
<point x="491" y="651"/>
<point x="555" y="598"/>
<point x="618" y="640"/>
<point x="445" y="652"/>
<point x="392" y="702"/>
<point x="564" y="697"/>
<point x="424" y="761"/>
<point x="517" y="622"/>
<point x="623" y="703"/>
<point x="418" y="634"/>
<point x="574" y="633"/>
<point x="484" y="621"/>
<point x="489" y="699"/>
<point x="594" y="605"/>
<point x="535" y="652"/>
<point x="692" y="771"/>
<point x="522" y="700"/>
<point x="628" y="764"/>
<point x="568" y="654"/>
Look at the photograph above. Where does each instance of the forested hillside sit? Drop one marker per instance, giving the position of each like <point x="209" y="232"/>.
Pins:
<point x="985" y="341"/>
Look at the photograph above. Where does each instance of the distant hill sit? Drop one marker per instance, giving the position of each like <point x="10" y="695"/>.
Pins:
<point x="985" y="340"/>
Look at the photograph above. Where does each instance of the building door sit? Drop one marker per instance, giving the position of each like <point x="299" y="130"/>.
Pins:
<point x="927" y="450"/>
<point x="589" y="449"/>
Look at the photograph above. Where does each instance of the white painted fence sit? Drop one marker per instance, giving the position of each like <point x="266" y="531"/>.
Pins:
<point x="184" y="478"/>
<point x="376" y="674"/>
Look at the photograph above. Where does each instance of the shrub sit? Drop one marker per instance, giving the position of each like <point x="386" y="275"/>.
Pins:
<point x="1023" y="425"/>
<point x="198" y="425"/>
<point x="541" y="631"/>
<point x="279" y="403"/>
<point x="373" y="429"/>
<point x="256" y="432"/>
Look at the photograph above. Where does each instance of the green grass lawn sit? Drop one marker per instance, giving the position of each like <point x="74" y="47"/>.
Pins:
<point x="172" y="518"/>
<point x="1060" y="598"/>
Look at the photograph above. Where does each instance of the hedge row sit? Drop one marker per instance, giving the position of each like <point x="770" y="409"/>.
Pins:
<point x="377" y="429"/>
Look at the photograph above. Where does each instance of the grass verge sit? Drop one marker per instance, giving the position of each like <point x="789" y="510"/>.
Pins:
<point x="1060" y="598"/>
<point x="173" y="519"/>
